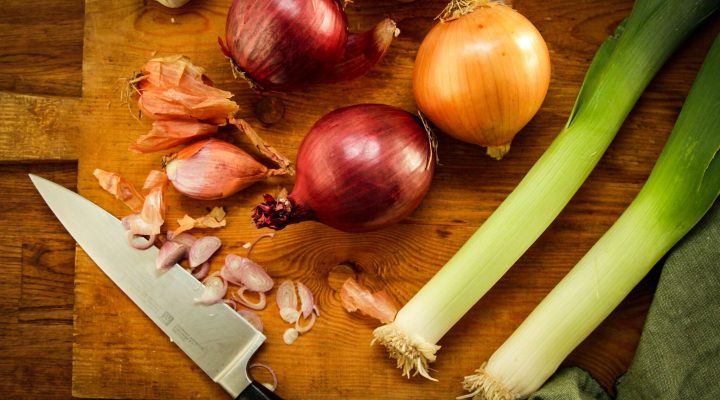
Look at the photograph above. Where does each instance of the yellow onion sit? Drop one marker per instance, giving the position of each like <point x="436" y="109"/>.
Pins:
<point x="481" y="74"/>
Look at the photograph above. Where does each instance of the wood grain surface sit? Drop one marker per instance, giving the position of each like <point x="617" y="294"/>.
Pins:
<point x="119" y="353"/>
<point x="40" y="84"/>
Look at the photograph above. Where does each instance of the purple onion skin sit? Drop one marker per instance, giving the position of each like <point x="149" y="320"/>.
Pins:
<point x="363" y="168"/>
<point x="283" y="43"/>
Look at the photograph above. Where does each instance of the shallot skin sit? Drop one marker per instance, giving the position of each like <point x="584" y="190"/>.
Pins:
<point x="383" y="158"/>
<point x="282" y="42"/>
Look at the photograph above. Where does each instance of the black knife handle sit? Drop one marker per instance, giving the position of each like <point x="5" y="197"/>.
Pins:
<point x="257" y="391"/>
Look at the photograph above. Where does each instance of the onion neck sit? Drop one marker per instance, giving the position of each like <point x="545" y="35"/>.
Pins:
<point x="457" y="8"/>
<point x="362" y="52"/>
<point x="277" y="213"/>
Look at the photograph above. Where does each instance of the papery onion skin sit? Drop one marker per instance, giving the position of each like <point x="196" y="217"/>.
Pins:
<point x="360" y="168"/>
<point x="481" y="77"/>
<point x="287" y="44"/>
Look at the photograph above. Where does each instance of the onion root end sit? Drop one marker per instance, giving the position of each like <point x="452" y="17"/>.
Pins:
<point x="498" y="152"/>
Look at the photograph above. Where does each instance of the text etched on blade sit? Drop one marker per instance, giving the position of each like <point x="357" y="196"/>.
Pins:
<point x="183" y="335"/>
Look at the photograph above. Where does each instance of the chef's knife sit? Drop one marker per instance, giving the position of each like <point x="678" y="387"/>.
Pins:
<point x="215" y="337"/>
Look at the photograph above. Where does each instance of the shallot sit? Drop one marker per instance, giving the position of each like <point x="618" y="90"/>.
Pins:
<point x="360" y="168"/>
<point x="287" y="44"/>
<point x="213" y="169"/>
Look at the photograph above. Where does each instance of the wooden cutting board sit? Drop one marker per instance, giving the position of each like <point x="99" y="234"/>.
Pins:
<point x="119" y="353"/>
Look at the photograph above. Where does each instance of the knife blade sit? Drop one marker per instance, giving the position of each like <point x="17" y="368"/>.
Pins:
<point x="215" y="337"/>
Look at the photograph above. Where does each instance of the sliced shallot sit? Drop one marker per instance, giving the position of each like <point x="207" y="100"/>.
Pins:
<point x="171" y="252"/>
<point x="307" y="302"/>
<point x="290" y="335"/>
<point x="245" y="272"/>
<point x="132" y="240"/>
<point x="305" y="328"/>
<point x="239" y="296"/>
<point x="185" y="239"/>
<point x="287" y="302"/>
<point x="272" y="386"/>
<point x="215" y="289"/>
<point x="201" y="272"/>
<point x="377" y="305"/>
<point x="203" y="249"/>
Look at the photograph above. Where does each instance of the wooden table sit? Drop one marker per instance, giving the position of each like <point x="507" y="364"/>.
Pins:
<point x="54" y="101"/>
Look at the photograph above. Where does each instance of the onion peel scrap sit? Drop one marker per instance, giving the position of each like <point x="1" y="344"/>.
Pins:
<point x="116" y="185"/>
<point x="377" y="305"/>
<point x="214" y="219"/>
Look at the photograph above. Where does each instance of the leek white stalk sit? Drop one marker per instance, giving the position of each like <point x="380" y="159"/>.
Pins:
<point x="618" y="74"/>
<point x="681" y="188"/>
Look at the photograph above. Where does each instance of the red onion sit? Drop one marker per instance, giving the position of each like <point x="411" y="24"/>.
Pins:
<point x="286" y="44"/>
<point x="360" y="168"/>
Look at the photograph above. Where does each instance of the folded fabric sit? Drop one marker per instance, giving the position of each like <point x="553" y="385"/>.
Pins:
<point x="679" y="352"/>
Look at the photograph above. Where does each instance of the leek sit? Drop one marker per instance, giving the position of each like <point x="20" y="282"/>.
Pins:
<point x="618" y="74"/>
<point x="681" y="188"/>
